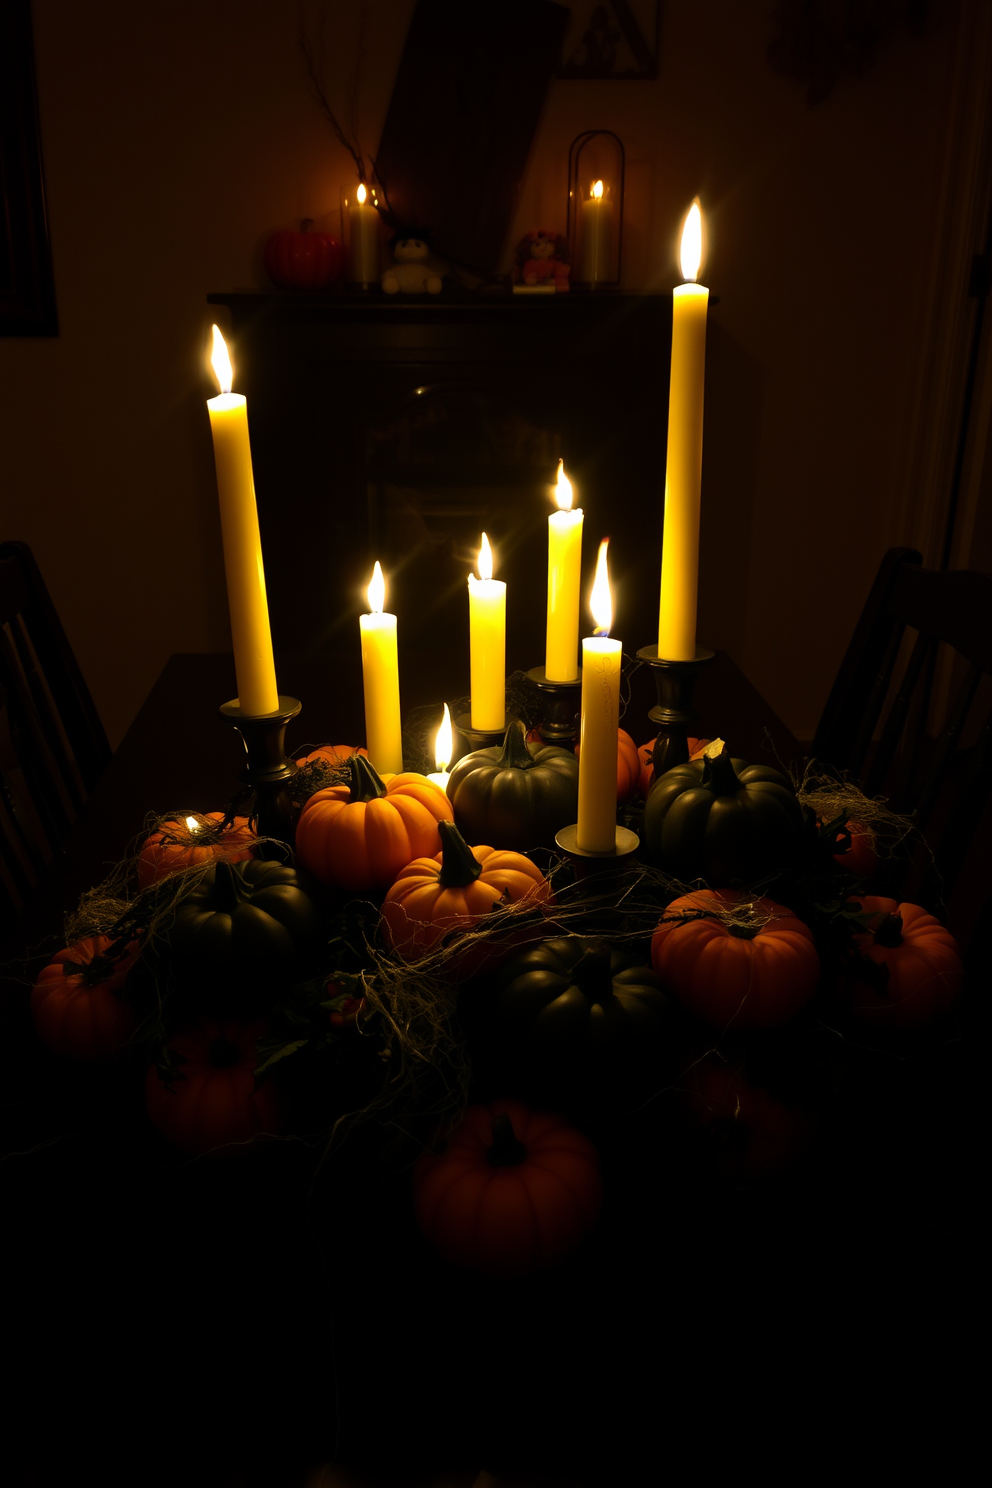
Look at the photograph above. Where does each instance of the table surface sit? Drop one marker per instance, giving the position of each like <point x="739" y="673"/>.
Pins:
<point x="292" y="1299"/>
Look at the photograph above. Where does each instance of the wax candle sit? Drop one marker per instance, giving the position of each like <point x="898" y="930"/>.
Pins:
<point x="363" y="233"/>
<point x="487" y="644"/>
<point x="597" y="233"/>
<point x="680" y="541"/>
<point x="250" y="635"/>
<point x="601" y="658"/>
<point x="564" y="576"/>
<point x="380" y="675"/>
<point x="442" y="751"/>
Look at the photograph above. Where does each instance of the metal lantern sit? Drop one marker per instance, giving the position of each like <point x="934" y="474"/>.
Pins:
<point x="596" y="164"/>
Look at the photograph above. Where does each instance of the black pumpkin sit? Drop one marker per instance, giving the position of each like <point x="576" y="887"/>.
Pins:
<point x="515" y="796"/>
<point x="723" y="821"/>
<point x="583" y="1021"/>
<point x="242" y="932"/>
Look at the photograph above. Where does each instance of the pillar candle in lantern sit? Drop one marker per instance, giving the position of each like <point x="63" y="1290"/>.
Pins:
<point x="363" y="233"/>
<point x="442" y="751"/>
<point x="487" y="644"/>
<point x="564" y="576"/>
<point x="380" y="674"/>
<point x="597" y="231"/>
<point x="250" y="635"/>
<point x="600" y="719"/>
<point x="680" y="542"/>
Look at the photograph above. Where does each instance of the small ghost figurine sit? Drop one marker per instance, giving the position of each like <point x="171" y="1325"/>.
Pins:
<point x="413" y="271"/>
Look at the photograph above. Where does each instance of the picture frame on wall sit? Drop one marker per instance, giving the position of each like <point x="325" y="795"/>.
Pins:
<point x="615" y="40"/>
<point x="27" y="284"/>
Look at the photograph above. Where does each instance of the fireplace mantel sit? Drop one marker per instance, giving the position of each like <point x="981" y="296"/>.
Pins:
<point x="392" y="429"/>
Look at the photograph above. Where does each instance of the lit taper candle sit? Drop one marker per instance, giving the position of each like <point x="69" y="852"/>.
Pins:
<point x="380" y="674"/>
<point x="487" y="644"/>
<point x="443" y="748"/>
<point x="250" y="634"/>
<point x="564" y="577"/>
<point x="683" y="476"/>
<point x="601" y="658"/>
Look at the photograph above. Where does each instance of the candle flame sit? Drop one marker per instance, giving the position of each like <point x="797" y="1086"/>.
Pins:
<point x="220" y="361"/>
<point x="361" y="193"/>
<point x="192" y="823"/>
<point x="377" y="590"/>
<point x="485" y="563"/>
<point x="563" y="490"/>
<point x="691" y="251"/>
<point x="601" y="599"/>
<point x="442" y="743"/>
<point x="597" y="190"/>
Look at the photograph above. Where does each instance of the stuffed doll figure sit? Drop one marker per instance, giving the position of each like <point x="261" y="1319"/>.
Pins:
<point x="414" y="271"/>
<point x="541" y="259"/>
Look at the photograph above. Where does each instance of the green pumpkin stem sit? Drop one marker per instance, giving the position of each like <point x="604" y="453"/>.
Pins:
<point x="459" y="865"/>
<point x="888" y="931"/>
<point x="506" y="1151"/>
<point x="591" y="973"/>
<point x="229" y="887"/>
<point x="719" y="775"/>
<point x="516" y="755"/>
<point x="365" y="783"/>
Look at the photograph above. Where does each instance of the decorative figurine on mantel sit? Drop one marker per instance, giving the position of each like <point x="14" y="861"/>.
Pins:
<point x="415" y="269"/>
<point x="540" y="264"/>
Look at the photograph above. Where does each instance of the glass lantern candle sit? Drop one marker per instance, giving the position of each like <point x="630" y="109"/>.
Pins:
<point x="595" y="209"/>
<point x="360" y="233"/>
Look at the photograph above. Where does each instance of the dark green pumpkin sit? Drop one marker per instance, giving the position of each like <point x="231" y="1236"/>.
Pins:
<point x="242" y="932"/>
<point x="582" y="1020"/>
<point x="517" y="795"/>
<point x="722" y="820"/>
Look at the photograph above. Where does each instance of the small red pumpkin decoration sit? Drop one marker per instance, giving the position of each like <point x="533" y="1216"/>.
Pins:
<point x="452" y="891"/>
<point x="748" y="1135"/>
<point x="181" y="843"/>
<point x="628" y="765"/>
<point x="645" y="755"/>
<point x="335" y="755"/>
<point x="919" y="967"/>
<point x="854" y="850"/>
<point x="213" y="1102"/>
<point x="758" y="972"/>
<point x="304" y="259"/>
<point x="515" y="1190"/>
<point x="76" y="1003"/>
<point x="358" y="835"/>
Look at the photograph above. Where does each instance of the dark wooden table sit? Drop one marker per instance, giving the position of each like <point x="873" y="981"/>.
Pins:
<point x="286" y="1312"/>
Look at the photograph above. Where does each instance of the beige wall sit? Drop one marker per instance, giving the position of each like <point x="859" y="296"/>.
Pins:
<point x="177" y="137"/>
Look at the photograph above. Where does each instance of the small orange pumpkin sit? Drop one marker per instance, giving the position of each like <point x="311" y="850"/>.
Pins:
<point x="454" y="890"/>
<point x="76" y="1003"/>
<point x="213" y="1103"/>
<point x="186" y="843"/>
<point x="919" y="965"/>
<point x="358" y="835"/>
<point x="646" y="757"/>
<point x="335" y="755"/>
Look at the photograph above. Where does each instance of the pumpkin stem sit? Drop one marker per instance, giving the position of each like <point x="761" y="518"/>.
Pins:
<point x="229" y="887"/>
<point x="506" y="1151"/>
<point x="223" y="1054"/>
<point x="459" y="865"/>
<point x="591" y="973"/>
<point x="719" y="774"/>
<point x="888" y="931"/>
<point x="365" y="783"/>
<point x="516" y="755"/>
<point x="743" y="932"/>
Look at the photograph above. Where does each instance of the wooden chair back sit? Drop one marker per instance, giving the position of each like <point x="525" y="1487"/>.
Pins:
<point x="910" y="718"/>
<point x="53" y="747"/>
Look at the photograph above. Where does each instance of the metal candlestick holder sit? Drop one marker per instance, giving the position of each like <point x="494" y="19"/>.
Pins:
<point x="590" y="864"/>
<point x="466" y="739"/>
<point x="267" y="768"/>
<point x="561" y="708"/>
<point x="675" y="681"/>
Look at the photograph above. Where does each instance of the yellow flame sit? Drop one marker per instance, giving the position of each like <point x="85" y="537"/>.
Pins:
<point x="361" y="193"/>
<point x="442" y="742"/>
<point x="485" y="563"/>
<point x="601" y="599"/>
<point x="192" y="823"/>
<point x="377" y="590"/>
<point x="563" y="490"/>
<point x="220" y="361"/>
<point x="597" y="190"/>
<point x="691" y="250"/>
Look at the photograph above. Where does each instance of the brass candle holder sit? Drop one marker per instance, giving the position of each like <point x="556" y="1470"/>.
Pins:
<point x="267" y="769"/>
<point x="675" y="681"/>
<point x="561" y="708"/>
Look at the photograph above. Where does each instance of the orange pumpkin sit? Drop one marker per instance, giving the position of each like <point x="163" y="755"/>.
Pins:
<point x="454" y="890"/>
<point x="919" y="967"/>
<point x="854" y="850"/>
<point x="335" y="755"/>
<point x="76" y="1003"/>
<point x="628" y="765"/>
<point x="645" y="756"/>
<point x="186" y="843"/>
<point x="213" y="1103"/>
<point x="747" y="1135"/>
<point x="753" y="975"/>
<point x="358" y="835"/>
